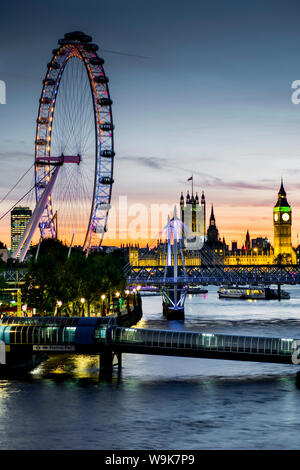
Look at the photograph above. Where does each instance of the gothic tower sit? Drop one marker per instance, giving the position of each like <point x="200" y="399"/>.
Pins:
<point x="282" y="224"/>
<point x="193" y="218"/>
<point x="212" y="231"/>
<point x="203" y="205"/>
<point x="247" y="241"/>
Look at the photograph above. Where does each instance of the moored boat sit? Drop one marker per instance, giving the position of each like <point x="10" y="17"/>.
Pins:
<point x="251" y="292"/>
<point x="196" y="290"/>
<point x="146" y="290"/>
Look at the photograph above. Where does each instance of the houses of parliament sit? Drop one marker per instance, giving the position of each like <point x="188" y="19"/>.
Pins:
<point x="203" y="245"/>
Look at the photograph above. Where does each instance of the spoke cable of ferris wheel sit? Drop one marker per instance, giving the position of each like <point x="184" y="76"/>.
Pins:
<point x="23" y="197"/>
<point x="16" y="184"/>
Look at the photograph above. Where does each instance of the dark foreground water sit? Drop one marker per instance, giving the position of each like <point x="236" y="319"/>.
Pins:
<point x="164" y="402"/>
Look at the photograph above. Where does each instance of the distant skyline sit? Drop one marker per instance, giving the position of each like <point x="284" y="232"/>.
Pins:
<point x="199" y="88"/>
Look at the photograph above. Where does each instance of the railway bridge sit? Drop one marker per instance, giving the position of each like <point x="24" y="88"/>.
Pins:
<point x="216" y="274"/>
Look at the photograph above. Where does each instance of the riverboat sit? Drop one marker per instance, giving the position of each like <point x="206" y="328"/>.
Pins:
<point x="196" y="290"/>
<point x="149" y="291"/>
<point x="251" y="292"/>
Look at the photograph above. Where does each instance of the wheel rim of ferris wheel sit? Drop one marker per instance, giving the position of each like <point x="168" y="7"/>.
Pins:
<point x="75" y="114"/>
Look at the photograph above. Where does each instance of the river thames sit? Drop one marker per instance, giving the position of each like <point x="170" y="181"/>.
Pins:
<point x="164" y="402"/>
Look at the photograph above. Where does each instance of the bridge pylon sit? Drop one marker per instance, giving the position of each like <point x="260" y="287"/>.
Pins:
<point x="107" y="364"/>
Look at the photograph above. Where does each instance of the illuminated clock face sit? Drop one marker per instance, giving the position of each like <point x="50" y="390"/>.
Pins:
<point x="276" y="217"/>
<point x="285" y="217"/>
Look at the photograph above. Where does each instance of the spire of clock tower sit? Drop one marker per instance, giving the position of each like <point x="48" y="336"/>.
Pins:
<point x="282" y="201"/>
<point x="282" y="192"/>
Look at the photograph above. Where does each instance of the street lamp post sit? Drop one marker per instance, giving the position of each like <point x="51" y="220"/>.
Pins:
<point x="103" y="298"/>
<point x="119" y="301"/>
<point x="82" y="300"/>
<point x="59" y="304"/>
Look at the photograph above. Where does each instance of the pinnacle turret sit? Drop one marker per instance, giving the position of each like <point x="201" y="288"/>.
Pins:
<point x="282" y="201"/>
<point x="212" y="220"/>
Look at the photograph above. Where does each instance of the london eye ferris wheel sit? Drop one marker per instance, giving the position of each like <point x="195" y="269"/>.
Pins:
<point x="74" y="134"/>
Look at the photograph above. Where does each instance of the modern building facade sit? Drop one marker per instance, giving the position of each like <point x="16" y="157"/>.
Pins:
<point x="19" y="218"/>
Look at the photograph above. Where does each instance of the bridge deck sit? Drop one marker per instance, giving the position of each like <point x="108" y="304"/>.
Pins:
<point x="96" y="335"/>
<point x="216" y="274"/>
<point x="206" y="345"/>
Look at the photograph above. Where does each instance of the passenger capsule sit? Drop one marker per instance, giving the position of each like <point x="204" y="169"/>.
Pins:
<point x="54" y="65"/>
<point x="107" y="153"/>
<point x="49" y="82"/>
<point x="105" y="101"/>
<point x="96" y="61"/>
<point x="78" y="36"/>
<point x="41" y="142"/>
<point x="41" y="185"/>
<point x="101" y="79"/>
<point x="64" y="42"/>
<point x="106" y="180"/>
<point x="45" y="100"/>
<point x="91" y="47"/>
<point x="105" y="126"/>
<point x="43" y="120"/>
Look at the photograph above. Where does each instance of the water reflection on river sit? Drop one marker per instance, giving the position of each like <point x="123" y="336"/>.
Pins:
<point x="164" y="402"/>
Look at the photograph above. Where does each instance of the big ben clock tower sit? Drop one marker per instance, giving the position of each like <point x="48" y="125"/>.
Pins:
<point x="282" y="223"/>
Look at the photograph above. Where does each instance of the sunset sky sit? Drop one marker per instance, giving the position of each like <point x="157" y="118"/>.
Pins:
<point x="200" y="88"/>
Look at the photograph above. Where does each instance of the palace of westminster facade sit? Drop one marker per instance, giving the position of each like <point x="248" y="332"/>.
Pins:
<point x="204" y="246"/>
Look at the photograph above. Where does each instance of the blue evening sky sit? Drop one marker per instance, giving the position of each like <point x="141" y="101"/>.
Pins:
<point x="211" y="97"/>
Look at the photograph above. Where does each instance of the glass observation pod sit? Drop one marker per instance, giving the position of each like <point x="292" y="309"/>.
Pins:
<point x="105" y="101"/>
<point x="107" y="153"/>
<point x="96" y="61"/>
<point x="77" y="36"/>
<point x="43" y="120"/>
<point x="105" y="126"/>
<point x="103" y="206"/>
<point x="101" y="79"/>
<point x="100" y="229"/>
<point x="41" y="142"/>
<point x="46" y="100"/>
<point x="106" y="180"/>
<point x="91" y="47"/>
<point x="53" y="65"/>
<point x="49" y="82"/>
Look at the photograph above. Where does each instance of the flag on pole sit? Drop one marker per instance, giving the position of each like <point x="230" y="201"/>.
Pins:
<point x="190" y="179"/>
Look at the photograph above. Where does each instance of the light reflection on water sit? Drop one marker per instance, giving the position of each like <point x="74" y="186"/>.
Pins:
<point x="164" y="402"/>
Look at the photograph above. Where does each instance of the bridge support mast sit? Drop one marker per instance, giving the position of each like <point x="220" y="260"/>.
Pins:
<point x="25" y="241"/>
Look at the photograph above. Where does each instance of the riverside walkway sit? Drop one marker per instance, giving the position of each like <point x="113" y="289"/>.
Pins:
<point x="22" y="337"/>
